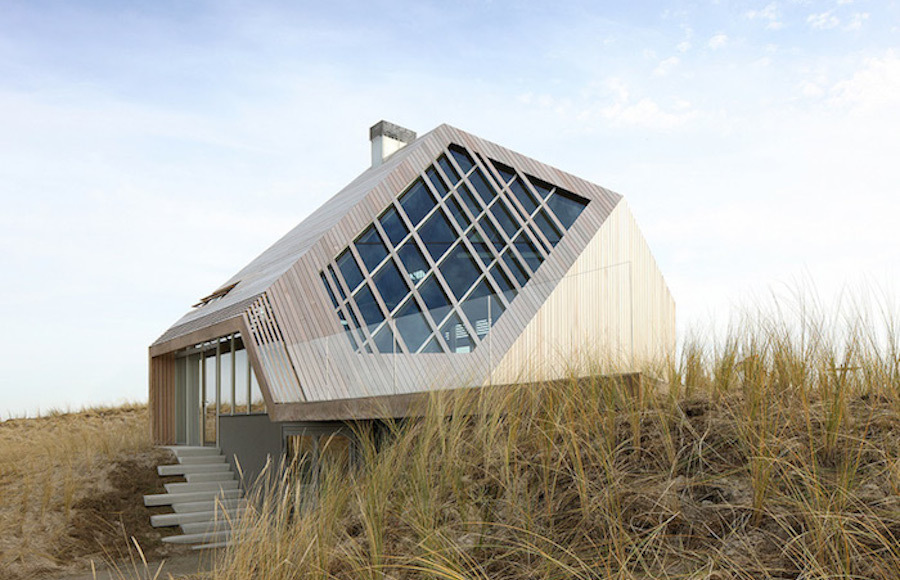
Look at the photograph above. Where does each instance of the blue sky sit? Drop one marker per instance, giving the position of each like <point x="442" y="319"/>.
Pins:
<point x="149" y="150"/>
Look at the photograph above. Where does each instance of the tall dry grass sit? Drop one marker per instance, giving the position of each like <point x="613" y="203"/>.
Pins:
<point x="46" y="464"/>
<point x="773" y="452"/>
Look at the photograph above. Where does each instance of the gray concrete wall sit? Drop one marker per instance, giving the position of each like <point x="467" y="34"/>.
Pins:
<point x="252" y="439"/>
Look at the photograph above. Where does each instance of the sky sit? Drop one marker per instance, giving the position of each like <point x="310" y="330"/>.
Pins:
<point x="149" y="150"/>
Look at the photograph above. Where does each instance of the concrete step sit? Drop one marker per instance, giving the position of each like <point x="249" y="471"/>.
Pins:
<point x="194" y="496"/>
<point x="201" y="459"/>
<point x="201" y="538"/>
<point x="209" y="505"/>
<point x="211" y="526"/>
<point x="182" y="469"/>
<point x="214" y="546"/>
<point x="203" y="486"/>
<point x="185" y="451"/>
<point x="206" y="477"/>
<point x="178" y="519"/>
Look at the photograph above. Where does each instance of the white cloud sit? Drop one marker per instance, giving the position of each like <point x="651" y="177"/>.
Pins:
<point x="665" y="66"/>
<point x="824" y="20"/>
<point x="683" y="46"/>
<point x="770" y="14"/>
<point x="873" y="88"/>
<point x="811" y="90"/>
<point x="857" y="20"/>
<point x="718" y="41"/>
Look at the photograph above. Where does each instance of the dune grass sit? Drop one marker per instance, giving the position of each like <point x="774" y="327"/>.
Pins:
<point x="773" y="452"/>
<point x="46" y="465"/>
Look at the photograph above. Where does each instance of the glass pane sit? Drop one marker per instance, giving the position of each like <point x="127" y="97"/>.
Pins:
<point x="390" y="285"/>
<point x="460" y="271"/>
<point x="413" y="261"/>
<point x="384" y="340"/>
<point x="469" y="200"/>
<point x="475" y="308"/>
<point x="347" y="329"/>
<point x="335" y="453"/>
<point x="536" y="238"/>
<point x="456" y="336"/>
<point x="550" y="231"/>
<point x="370" y="247"/>
<point x="437" y="181"/>
<point x="566" y="206"/>
<point x="412" y="326"/>
<point x="352" y="274"/>
<point x="481" y="248"/>
<point x="543" y="188"/>
<point x="301" y="455"/>
<point x="502" y="280"/>
<point x="528" y="251"/>
<point x="516" y="268"/>
<point x="449" y="171"/>
<point x="334" y="280"/>
<point x="524" y="196"/>
<point x="485" y="191"/>
<point x="501" y="213"/>
<point x="334" y="301"/>
<point x="456" y="210"/>
<point x="507" y="173"/>
<point x="437" y="235"/>
<point x="433" y="345"/>
<point x="393" y="226"/>
<point x="369" y="309"/>
<point x="497" y="309"/>
<point x="417" y="202"/>
<point x="492" y="233"/>
<point x="360" y="335"/>
<point x="462" y="158"/>
<point x="435" y="299"/>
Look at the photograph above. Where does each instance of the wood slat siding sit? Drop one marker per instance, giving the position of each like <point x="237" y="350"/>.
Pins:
<point x="275" y="363"/>
<point x="162" y="399"/>
<point x="586" y="323"/>
<point x="296" y="345"/>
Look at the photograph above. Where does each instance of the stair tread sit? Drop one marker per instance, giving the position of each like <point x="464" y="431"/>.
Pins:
<point x="209" y="537"/>
<point x="193" y="496"/>
<point x="178" y="518"/>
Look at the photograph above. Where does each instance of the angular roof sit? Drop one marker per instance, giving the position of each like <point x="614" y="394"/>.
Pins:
<point x="337" y="308"/>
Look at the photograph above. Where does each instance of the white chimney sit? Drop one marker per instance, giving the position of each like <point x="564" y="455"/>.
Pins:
<point x="387" y="139"/>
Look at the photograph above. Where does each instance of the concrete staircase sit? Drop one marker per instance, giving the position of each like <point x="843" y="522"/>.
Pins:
<point x="206" y="506"/>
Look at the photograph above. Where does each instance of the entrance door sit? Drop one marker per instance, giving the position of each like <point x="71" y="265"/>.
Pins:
<point x="187" y="401"/>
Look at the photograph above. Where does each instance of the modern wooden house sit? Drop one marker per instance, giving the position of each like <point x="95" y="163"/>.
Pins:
<point x="451" y="262"/>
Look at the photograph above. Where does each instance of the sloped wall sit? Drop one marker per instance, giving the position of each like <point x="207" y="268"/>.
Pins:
<point x="612" y="312"/>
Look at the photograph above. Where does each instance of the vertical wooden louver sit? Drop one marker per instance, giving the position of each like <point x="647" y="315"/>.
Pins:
<point x="268" y="340"/>
<point x="162" y="399"/>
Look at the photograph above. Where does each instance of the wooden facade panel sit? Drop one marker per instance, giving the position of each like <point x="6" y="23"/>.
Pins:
<point x="162" y="399"/>
<point x="612" y="310"/>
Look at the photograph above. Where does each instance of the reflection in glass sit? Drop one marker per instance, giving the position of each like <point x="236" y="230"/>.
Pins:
<point x="413" y="261"/>
<point x="462" y="158"/>
<point x="528" y="251"/>
<point x="370" y="248"/>
<point x="566" y="206"/>
<point x="437" y="181"/>
<point x="352" y="274"/>
<point x="411" y="325"/>
<point x="393" y="226"/>
<point x="449" y="171"/>
<point x="390" y="285"/>
<point x="437" y="235"/>
<point x="368" y="307"/>
<point x="435" y="299"/>
<point x="384" y="339"/>
<point x="459" y="270"/>
<point x="484" y="190"/>
<point x="524" y="196"/>
<point x="417" y="202"/>
<point x="550" y="231"/>
<point x="456" y="335"/>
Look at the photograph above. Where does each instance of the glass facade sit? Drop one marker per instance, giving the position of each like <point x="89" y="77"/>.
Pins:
<point x="445" y="259"/>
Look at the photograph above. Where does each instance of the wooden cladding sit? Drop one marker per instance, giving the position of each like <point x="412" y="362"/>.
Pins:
<point x="162" y="399"/>
<point x="276" y="365"/>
